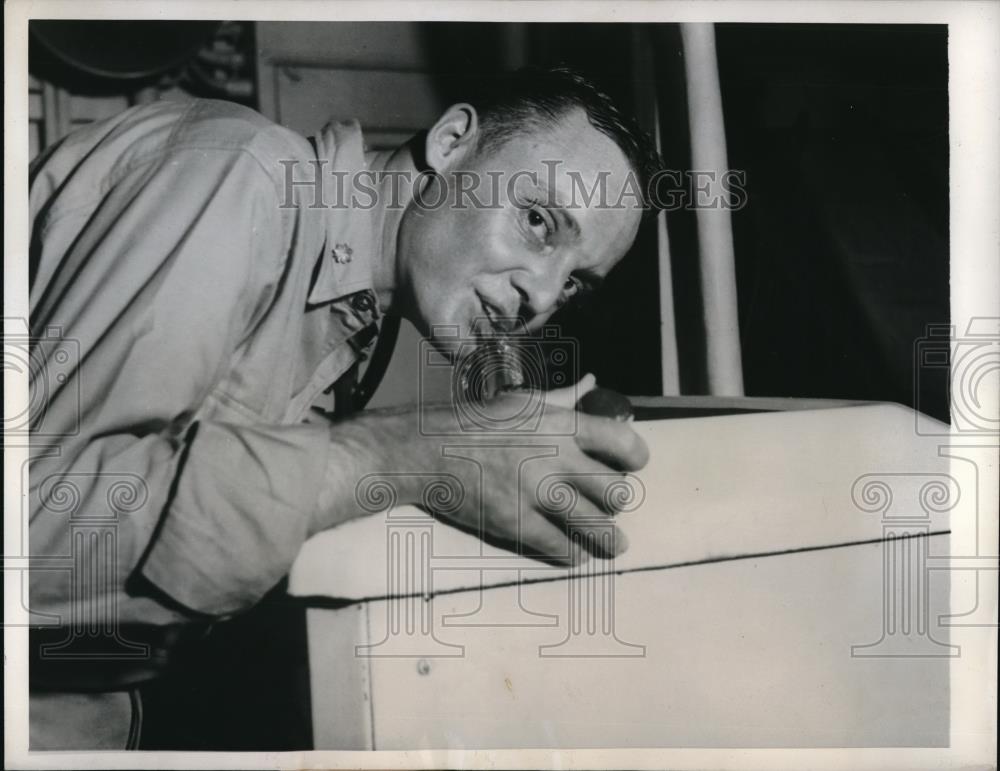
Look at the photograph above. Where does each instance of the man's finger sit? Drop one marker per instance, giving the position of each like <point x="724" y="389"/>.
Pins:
<point x="589" y="527"/>
<point x="612" y="442"/>
<point x="606" y="489"/>
<point x="569" y="396"/>
<point x="548" y="541"/>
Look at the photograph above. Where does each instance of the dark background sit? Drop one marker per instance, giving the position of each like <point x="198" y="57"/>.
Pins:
<point x="842" y="249"/>
<point x="842" y="254"/>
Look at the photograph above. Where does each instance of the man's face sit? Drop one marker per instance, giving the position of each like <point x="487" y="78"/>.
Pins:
<point x="535" y="244"/>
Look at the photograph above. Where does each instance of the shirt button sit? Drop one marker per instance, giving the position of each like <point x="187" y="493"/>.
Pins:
<point x="363" y="302"/>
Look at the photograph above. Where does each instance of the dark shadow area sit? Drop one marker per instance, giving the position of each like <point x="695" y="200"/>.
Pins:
<point x="107" y="57"/>
<point x="244" y="687"/>
<point x="842" y="251"/>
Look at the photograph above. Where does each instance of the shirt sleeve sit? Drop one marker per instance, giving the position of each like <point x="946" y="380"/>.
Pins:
<point x="152" y="288"/>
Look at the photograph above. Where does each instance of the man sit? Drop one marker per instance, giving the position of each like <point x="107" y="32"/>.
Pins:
<point x="207" y="278"/>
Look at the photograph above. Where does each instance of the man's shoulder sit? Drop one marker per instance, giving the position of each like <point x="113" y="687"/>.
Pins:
<point x="215" y="124"/>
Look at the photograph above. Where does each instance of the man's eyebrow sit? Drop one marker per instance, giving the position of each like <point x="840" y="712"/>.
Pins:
<point x="568" y="220"/>
<point x="554" y="203"/>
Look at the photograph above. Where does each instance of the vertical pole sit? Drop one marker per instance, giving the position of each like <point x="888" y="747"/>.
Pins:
<point x="647" y="112"/>
<point x="514" y="45"/>
<point x="669" y="364"/>
<point x="715" y="234"/>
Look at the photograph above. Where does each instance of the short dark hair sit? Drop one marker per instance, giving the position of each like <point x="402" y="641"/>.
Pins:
<point x="512" y="104"/>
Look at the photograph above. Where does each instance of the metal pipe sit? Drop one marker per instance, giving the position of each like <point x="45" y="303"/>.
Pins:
<point x="646" y="78"/>
<point x="669" y="364"/>
<point x="715" y="233"/>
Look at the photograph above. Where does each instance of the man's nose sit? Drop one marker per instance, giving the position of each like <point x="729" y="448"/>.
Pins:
<point x="540" y="292"/>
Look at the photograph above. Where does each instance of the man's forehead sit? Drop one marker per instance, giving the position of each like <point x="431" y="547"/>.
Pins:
<point x="571" y="147"/>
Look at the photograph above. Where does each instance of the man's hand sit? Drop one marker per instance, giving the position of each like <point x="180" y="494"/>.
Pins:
<point x="519" y="488"/>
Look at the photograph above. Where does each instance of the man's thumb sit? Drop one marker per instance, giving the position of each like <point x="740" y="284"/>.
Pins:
<point x="568" y="397"/>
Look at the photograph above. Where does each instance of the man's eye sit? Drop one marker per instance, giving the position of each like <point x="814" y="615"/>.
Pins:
<point x="572" y="287"/>
<point x="538" y="223"/>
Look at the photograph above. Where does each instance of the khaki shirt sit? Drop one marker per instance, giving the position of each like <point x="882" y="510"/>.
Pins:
<point x="187" y="309"/>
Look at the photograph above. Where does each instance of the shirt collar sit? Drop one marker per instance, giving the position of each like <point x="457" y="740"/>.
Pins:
<point x="345" y="262"/>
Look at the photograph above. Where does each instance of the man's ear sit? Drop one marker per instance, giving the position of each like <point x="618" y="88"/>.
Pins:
<point x="452" y="138"/>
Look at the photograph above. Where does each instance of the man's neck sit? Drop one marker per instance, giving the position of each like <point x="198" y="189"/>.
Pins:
<point x="391" y="168"/>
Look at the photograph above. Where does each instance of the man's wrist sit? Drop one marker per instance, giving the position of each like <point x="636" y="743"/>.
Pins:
<point x="379" y="442"/>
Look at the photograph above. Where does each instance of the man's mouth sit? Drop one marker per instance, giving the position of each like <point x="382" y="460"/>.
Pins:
<point x="498" y="325"/>
<point x="494" y="365"/>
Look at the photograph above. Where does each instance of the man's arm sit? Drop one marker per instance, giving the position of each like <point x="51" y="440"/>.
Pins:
<point x="156" y="282"/>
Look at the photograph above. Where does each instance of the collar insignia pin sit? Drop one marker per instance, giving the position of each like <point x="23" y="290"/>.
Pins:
<point x="341" y="253"/>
